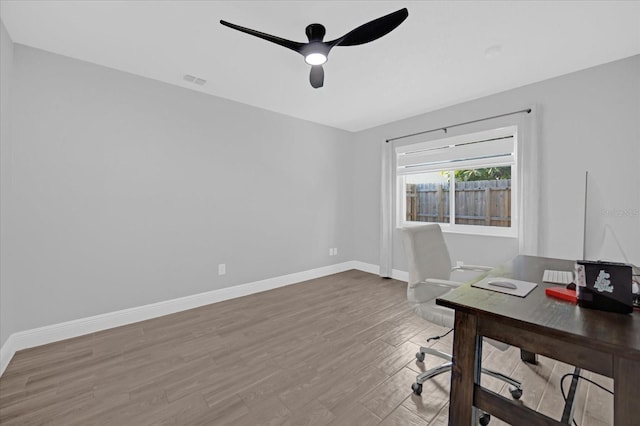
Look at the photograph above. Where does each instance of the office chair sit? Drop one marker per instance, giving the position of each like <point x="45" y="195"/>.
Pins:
<point x="429" y="278"/>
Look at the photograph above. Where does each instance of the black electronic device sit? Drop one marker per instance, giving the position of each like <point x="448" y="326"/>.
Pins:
<point x="605" y="286"/>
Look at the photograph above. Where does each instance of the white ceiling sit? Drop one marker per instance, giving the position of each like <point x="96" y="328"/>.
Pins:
<point x="446" y="52"/>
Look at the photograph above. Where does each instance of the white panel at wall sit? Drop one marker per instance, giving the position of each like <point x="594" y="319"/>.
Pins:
<point x="131" y="191"/>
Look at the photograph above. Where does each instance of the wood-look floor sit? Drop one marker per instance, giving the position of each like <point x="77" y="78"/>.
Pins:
<point x="337" y="350"/>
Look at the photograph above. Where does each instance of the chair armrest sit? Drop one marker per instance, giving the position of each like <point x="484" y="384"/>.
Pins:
<point x="442" y="283"/>
<point x="472" y="268"/>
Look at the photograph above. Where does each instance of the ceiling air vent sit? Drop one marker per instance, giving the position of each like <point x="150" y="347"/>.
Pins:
<point x="195" y="80"/>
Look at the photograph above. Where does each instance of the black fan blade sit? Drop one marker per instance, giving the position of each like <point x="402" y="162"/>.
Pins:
<point x="316" y="77"/>
<point x="372" y="30"/>
<point x="293" y="45"/>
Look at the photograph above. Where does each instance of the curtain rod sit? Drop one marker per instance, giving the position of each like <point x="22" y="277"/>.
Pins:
<point x="528" y="110"/>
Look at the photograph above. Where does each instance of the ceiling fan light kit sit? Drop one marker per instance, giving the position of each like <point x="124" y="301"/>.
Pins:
<point x="316" y="51"/>
<point x="315" y="59"/>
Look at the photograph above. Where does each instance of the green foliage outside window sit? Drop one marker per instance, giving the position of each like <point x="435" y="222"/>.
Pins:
<point x="485" y="173"/>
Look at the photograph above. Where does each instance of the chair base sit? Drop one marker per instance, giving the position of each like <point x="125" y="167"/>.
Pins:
<point x="515" y="387"/>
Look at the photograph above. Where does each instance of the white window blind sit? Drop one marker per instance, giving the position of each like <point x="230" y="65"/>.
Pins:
<point x="496" y="148"/>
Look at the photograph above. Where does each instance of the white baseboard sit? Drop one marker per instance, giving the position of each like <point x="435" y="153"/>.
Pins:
<point x="66" y="330"/>
<point x="7" y="351"/>
<point x="365" y="267"/>
<point x="396" y="274"/>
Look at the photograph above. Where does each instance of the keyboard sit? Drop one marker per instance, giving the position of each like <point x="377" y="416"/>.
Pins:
<point x="557" y="277"/>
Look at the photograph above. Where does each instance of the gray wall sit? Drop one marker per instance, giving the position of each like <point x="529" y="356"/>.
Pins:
<point x="6" y="67"/>
<point x="132" y="191"/>
<point x="589" y="120"/>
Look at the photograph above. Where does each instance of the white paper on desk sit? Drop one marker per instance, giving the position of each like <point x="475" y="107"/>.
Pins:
<point x="523" y="287"/>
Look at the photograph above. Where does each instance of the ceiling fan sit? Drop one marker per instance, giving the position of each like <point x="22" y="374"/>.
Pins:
<point x="315" y="52"/>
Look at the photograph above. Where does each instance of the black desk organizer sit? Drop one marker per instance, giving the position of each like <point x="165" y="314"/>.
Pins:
<point x="606" y="286"/>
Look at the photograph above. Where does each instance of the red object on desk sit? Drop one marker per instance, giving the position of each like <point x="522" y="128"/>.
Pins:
<point x="562" y="293"/>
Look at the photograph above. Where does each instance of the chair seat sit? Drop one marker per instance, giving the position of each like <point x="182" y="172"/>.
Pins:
<point x="433" y="313"/>
<point x="422" y="299"/>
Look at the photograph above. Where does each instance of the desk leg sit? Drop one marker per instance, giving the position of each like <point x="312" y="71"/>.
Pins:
<point x="465" y="370"/>
<point x="529" y="357"/>
<point x="625" y="389"/>
<point x="570" y="403"/>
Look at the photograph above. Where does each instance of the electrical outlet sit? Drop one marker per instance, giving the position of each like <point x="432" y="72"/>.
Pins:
<point x="330" y="252"/>
<point x="222" y="269"/>
<point x="335" y="251"/>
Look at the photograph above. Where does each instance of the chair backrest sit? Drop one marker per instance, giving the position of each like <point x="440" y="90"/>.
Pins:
<point x="427" y="253"/>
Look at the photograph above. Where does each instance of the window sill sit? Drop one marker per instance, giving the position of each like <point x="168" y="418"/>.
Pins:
<point x="466" y="230"/>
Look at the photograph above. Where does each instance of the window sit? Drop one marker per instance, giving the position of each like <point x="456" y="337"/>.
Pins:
<point x="466" y="183"/>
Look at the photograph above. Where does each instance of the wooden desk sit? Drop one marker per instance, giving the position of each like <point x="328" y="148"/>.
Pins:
<point x="603" y="342"/>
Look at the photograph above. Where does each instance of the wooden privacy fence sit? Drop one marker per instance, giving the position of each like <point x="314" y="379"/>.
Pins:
<point x="482" y="202"/>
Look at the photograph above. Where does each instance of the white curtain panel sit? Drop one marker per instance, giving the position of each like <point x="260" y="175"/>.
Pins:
<point x="528" y="161"/>
<point x="387" y="201"/>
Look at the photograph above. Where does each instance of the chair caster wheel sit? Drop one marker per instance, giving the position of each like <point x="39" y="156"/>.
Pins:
<point x="516" y="393"/>
<point x="417" y="388"/>
<point x="484" y="419"/>
<point x="420" y="356"/>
